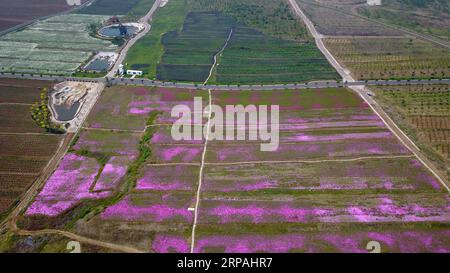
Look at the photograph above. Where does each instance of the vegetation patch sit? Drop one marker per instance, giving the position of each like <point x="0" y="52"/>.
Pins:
<point x="390" y="58"/>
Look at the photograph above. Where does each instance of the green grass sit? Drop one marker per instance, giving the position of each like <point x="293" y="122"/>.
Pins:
<point x="273" y="17"/>
<point x="431" y="17"/>
<point x="147" y="52"/>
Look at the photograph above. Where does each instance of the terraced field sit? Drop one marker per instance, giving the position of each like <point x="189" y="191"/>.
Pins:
<point x="25" y="149"/>
<point x="58" y="45"/>
<point x="339" y="180"/>
<point x="424" y="111"/>
<point x="390" y="58"/>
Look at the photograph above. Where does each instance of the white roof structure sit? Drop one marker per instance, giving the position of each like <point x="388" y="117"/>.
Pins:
<point x="374" y="2"/>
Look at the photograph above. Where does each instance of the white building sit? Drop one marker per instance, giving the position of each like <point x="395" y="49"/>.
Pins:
<point x="121" y="71"/>
<point x="134" y="72"/>
<point x="374" y="2"/>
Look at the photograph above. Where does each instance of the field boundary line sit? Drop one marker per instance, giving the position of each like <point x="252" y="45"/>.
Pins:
<point x="16" y="103"/>
<point x="30" y="134"/>
<point x="19" y="173"/>
<point x="200" y="175"/>
<point x="112" y="130"/>
<point x="310" y="161"/>
<point x="217" y="54"/>
<point x="173" y="164"/>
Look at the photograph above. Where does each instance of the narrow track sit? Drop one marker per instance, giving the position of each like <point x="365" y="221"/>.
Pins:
<point x="200" y="175"/>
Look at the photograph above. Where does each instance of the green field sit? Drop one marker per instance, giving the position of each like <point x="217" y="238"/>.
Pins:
<point x="147" y="52"/>
<point x="189" y="54"/>
<point x="430" y="17"/>
<point x="252" y="57"/>
<point x="184" y="51"/>
<point x="273" y="17"/>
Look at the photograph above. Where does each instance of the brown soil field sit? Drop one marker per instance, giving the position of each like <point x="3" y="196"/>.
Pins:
<point x="17" y="12"/>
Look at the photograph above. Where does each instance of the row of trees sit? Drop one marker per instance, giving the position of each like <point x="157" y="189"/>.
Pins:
<point x="42" y="116"/>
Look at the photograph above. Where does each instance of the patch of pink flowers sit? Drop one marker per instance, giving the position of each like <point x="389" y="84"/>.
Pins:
<point x="168" y="178"/>
<point x="112" y="173"/>
<point x="301" y="137"/>
<point x="390" y="241"/>
<point x="287" y="212"/>
<point x="163" y="243"/>
<point x="153" y="212"/>
<point x="68" y="185"/>
<point x="178" y="153"/>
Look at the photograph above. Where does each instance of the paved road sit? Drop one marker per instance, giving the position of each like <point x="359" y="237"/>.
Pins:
<point x="308" y="85"/>
<point x="123" y="53"/>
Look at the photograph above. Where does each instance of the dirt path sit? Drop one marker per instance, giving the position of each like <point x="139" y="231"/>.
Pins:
<point x="309" y="161"/>
<point x="200" y="175"/>
<point x="362" y="91"/>
<point x="79" y="238"/>
<point x="113" y="130"/>
<point x="217" y="54"/>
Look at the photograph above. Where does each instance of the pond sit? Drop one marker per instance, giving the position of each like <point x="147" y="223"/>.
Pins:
<point x="98" y="65"/>
<point x="65" y="112"/>
<point x="116" y="31"/>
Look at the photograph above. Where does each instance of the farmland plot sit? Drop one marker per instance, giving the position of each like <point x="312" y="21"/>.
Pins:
<point x="17" y="12"/>
<point x="189" y="54"/>
<point x="272" y="17"/>
<point x="425" y="113"/>
<point x="148" y="51"/>
<point x="254" y="54"/>
<point x="427" y="17"/>
<point x="24" y="149"/>
<point x="390" y="58"/>
<point x="134" y="8"/>
<point x="252" y="57"/>
<point x="106" y="160"/>
<point x="327" y="200"/>
<point x="280" y="201"/>
<point x="58" y="45"/>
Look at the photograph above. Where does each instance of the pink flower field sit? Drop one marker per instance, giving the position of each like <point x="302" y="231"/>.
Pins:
<point x="68" y="185"/>
<point x="376" y="209"/>
<point x="390" y="241"/>
<point x="164" y="178"/>
<point x="165" y="208"/>
<point x="112" y="173"/>
<point x="401" y="174"/>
